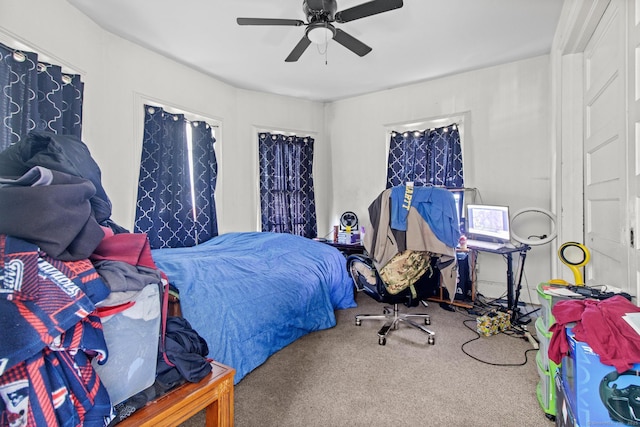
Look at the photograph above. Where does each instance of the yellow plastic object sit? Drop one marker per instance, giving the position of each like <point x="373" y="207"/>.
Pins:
<point x="575" y="256"/>
<point x="559" y="282"/>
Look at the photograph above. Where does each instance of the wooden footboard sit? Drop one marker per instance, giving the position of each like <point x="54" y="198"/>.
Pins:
<point x="214" y="394"/>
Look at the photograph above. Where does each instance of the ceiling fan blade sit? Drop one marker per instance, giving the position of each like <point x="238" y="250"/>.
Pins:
<point x="270" y="21"/>
<point x="297" y="51"/>
<point x="351" y="43"/>
<point x="367" y="9"/>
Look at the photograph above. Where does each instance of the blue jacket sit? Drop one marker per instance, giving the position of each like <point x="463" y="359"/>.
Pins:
<point x="436" y="205"/>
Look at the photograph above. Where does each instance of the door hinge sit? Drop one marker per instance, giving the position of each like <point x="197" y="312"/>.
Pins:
<point x="631" y="237"/>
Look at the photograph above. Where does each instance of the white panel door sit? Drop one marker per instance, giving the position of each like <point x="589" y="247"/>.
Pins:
<point x="633" y="94"/>
<point x="607" y="231"/>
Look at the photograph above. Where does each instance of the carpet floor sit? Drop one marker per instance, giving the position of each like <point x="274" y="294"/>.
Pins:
<point x="343" y="377"/>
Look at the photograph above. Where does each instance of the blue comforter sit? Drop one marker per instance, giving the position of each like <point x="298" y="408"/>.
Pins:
<point x="251" y="294"/>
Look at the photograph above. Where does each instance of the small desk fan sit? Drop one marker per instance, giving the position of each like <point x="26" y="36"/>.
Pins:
<point x="348" y="221"/>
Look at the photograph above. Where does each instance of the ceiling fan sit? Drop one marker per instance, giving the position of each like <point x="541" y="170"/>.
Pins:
<point x="321" y="15"/>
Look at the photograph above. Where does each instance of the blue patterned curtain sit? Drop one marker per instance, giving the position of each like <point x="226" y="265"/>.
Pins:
<point x="287" y="199"/>
<point x="430" y="157"/>
<point x="205" y="176"/>
<point x="165" y="207"/>
<point x="36" y="96"/>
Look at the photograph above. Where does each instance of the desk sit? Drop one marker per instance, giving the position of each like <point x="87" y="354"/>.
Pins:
<point x="347" y="248"/>
<point x="214" y="394"/>
<point x="513" y="286"/>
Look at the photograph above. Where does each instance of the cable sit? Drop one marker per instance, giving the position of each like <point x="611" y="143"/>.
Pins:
<point x="526" y="359"/>
<point x="529" y="313"/>
<point x="328" y="234"/>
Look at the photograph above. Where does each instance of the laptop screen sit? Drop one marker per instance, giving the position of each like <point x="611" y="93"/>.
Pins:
<point x="488" y="223"/>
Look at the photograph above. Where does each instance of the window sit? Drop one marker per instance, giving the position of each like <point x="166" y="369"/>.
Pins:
<point x="287" y="199"/>
<point x="428" y="156"/>
<point x="178" y="174"/>
<point x="37" y="96"/>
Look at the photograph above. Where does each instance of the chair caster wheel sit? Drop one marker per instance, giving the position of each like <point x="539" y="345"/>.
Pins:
<point x="431" y="340"/>
<point x="427" y="321"/>
<point x="358" y="322"/>
<point x="382" y="341"/>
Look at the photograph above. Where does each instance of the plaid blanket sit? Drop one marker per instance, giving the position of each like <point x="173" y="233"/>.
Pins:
<point x="48" y="338"/>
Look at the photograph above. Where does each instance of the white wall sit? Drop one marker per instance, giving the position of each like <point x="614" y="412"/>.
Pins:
<point x="506" y="146"/>
<point x="118" y="74"/>
<point x="506" y="112"/>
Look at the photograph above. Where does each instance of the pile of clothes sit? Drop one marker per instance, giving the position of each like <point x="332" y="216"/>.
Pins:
<point x="61" y="259"/>
<point x="409" y="223"/>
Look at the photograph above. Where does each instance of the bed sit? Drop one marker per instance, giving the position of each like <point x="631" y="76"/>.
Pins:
<point x="251" y="294"/>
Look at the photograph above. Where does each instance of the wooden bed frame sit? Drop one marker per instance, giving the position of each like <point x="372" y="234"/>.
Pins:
<point x="214" y="394"/>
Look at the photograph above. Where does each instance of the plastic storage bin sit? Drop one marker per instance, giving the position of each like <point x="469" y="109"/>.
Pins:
<point x="546" y="388"/>
<point x="544" y="338"/>
<point x="132" y="342"/>
<point x="546" y="304"/>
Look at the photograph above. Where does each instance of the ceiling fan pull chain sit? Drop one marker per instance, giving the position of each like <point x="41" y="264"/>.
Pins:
<point x="319" y="48"/>
<point x="326" y="55"/>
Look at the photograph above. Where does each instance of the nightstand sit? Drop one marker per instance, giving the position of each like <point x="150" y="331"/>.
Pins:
<point x="348" y="249"/>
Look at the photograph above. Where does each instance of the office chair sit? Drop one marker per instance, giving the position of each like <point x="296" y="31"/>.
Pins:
<point x="410" y="253"/>
<point x="367" y="279"/>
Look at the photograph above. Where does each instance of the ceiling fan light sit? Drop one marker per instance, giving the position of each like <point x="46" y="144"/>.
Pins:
<point x="320" y="34"/>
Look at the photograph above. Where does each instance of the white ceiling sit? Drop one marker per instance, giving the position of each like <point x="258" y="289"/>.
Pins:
<point x="425" y="39"/>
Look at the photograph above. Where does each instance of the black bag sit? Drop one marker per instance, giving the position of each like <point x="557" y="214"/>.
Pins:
<point x="186" y="351"/>
<point x="182" y="352"/>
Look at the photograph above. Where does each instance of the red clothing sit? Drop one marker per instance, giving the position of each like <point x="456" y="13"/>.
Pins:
<point x="600" y="325"/>
<point x="132" y="248"/>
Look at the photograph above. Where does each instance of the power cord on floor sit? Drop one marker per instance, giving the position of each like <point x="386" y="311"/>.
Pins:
<point x="482" y="305"/>
<point x="511" y="333"/>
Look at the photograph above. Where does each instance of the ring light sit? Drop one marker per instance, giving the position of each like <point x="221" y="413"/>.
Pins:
<point x="535" y="242"/>
<point x="575" y="256"/>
